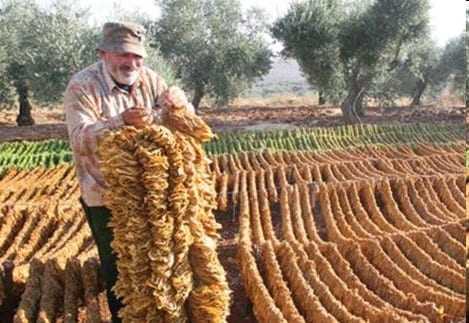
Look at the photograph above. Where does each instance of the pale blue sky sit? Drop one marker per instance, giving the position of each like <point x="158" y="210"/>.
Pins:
<point x="447" y="16"/>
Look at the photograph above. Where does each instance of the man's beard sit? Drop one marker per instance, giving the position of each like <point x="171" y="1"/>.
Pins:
<point x="120" y="76"/>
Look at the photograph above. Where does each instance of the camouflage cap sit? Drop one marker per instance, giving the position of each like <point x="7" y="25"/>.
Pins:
<point x="123" y="37"/>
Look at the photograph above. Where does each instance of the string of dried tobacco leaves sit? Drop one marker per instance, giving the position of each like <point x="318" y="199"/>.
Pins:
<point x="161" y="195"/>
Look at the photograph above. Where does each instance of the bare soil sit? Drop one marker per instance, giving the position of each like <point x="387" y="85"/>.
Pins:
<point x="50" y="123"/>
<point x="241" y="307"/>
<point x="324" y="116"/>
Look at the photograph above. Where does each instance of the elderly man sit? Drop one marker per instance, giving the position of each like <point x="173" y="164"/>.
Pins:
<point x="118" y="90"/>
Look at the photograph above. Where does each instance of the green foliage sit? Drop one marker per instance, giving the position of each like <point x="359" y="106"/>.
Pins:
<point x="13" y="15"/>
<point x="381" y="28"/>
<point x="43" y="48"/>
<point x="372" y="40"/>
<point x="215" y="49"/>
<point x="419" y="67"/>
<point x="159" y="64"/>
<point x="453" y="63"/>
<point x="309" y="32"/>
<point x="64" y="35"/>
<point x="351" y="42"/>
<point x="423" y="65"/>
<point x="7" y="93"/>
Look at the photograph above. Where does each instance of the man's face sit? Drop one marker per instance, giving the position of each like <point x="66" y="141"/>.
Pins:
<point x="124" y="67"/>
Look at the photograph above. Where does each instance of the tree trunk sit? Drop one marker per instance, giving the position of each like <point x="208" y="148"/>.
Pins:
<point x="24" y="118"/>
<point x="352" y="107"/>
<point x="421" y="86"/>
<point x="360" y="108"/>
<point x="198" y="95"/>
<point x="322" y="99"/>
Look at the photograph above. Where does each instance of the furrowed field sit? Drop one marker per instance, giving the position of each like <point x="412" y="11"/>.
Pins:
<point x="344" y="224"/>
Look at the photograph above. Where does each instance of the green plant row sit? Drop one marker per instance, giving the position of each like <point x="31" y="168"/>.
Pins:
<point x="334" y="138"/>
<point x="33" y="147"/>
<point x="29" y="161"/>
<point x="26" y="155"/>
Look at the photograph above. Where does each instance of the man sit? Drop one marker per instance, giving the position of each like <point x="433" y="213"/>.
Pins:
<point x="116" y="91"/>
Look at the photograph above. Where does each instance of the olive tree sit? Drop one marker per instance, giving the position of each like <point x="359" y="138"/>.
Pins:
<point x="215" y="48"/>
<point x="424" y="66"/>
<point x="350" y="52"/>
<point x="453" y="63"/>
<point x="417" y="70"/>
<point x="43" y="48"/>
<point x="310" y="34"/>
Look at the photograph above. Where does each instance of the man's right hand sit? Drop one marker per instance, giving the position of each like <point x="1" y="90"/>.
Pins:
<point x="136" y="117"/>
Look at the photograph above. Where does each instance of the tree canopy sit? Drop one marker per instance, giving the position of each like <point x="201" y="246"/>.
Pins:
<point x="350" y="43"/>
<point x="216" y="49"/>
<point x="41" y="50"/>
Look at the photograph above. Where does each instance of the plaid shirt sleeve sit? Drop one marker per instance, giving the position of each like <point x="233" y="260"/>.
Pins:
<point x="159" y="106"/>
<point x="84" y="122"/>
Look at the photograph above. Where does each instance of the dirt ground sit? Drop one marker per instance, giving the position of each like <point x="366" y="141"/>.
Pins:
<point x="241" y="307"/>
<point x="50" y="122"/>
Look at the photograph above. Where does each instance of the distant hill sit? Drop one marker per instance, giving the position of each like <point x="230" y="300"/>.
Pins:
<point x="284" y="77"/>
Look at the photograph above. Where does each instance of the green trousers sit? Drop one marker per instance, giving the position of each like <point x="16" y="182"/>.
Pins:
<point x="98" y="219"/>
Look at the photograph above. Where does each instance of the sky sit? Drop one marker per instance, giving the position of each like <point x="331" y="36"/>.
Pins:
<point x="447" y="17"/>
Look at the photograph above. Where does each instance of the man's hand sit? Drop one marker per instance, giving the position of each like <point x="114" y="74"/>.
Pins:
<point x="137" y="117"/>
<point x="174" y="97"/>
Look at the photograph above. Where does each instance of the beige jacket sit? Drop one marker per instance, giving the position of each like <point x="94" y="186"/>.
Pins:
<point x="93" y="103"/>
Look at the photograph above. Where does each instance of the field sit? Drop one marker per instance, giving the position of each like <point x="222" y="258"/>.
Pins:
<point x="338" y="224"/>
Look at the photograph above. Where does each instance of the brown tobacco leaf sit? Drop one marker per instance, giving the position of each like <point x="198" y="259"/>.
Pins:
<point x="161" y="195"/>
<point x="185" y="121"/>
